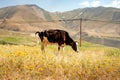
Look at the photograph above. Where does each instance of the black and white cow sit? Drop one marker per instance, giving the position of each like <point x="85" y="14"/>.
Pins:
<point x="60" y="37"/>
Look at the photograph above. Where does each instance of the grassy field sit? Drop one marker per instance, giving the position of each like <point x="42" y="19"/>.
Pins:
<point x="24" y="61"/>
<point x="19" y="62"/>
<point x="16" y="38"/>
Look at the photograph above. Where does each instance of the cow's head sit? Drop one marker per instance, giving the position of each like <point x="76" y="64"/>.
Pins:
<point x="40" y="34"/>
<point x="74" y="46"/>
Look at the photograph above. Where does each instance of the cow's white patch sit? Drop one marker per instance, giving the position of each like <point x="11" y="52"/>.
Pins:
<point x="37" y="39"/>
<point x="77" y="46"/>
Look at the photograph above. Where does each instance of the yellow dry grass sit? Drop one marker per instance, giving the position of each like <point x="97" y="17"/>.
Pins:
<point x="18" y="62"/>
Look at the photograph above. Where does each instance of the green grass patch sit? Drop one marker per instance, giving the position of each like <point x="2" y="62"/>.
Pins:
<point x="12" y="39"/>
<point x="26" y="40"/>
<point x="112" y="52"/>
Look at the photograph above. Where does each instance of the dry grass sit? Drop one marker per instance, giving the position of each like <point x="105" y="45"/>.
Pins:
<point x="18" y="62"/>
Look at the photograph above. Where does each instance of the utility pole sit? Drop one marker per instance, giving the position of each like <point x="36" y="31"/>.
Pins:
<point x="80" y="32"/>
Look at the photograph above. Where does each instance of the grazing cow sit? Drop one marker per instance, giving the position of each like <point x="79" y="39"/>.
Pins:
<point x="60" y="37"/>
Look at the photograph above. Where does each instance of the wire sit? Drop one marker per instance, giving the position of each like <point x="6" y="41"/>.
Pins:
<point x="20" y="22"/>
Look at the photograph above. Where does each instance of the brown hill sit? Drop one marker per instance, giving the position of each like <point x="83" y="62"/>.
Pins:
<point x="100" y="21"/>
<point x="27" y="18"/>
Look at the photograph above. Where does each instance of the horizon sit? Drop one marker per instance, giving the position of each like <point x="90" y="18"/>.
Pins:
<point x="63" y="5"/>
<point x="55" y="11"/>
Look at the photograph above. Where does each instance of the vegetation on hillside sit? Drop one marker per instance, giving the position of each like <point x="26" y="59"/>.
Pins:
<point x="16" y="38"/>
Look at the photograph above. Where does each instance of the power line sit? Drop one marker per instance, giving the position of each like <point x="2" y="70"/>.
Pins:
<point x="21" y="22"/>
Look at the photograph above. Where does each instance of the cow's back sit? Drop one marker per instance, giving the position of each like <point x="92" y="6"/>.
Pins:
<point x="54" y="35"/>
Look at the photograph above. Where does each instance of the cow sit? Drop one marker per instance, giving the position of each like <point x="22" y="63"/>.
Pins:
<point x="60" y="37"/>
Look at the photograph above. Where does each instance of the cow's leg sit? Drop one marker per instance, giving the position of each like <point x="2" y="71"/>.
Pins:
<point x="44" y="44"/>
<point x="58" y="48"/>
<point x="62" y="48"/>
<point x="61" y="45"/>
<point x="43" y="47"/>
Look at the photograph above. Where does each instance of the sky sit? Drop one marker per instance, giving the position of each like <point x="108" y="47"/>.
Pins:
<point x="62" y="5"/>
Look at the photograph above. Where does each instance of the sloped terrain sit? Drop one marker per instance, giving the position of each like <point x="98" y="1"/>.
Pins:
<point x="99" y="22"/>
<point x="27" y="18"/>
<point x="96" y="21"/>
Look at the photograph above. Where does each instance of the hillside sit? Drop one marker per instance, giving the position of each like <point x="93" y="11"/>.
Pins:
<point x="27" y="18"/>
<point x="98" y="21"/>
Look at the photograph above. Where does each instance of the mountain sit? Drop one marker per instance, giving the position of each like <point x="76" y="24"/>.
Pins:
<point x="98" y="21"/>
<point x="27" y="18"/>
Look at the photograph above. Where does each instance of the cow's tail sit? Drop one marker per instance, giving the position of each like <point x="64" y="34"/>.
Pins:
<point x="37" y="38"/>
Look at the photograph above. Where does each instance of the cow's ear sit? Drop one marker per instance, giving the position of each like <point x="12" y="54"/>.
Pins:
<point x="37" y="32"/>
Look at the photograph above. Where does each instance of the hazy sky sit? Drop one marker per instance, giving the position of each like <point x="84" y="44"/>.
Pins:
<point x="62" y="5"/>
